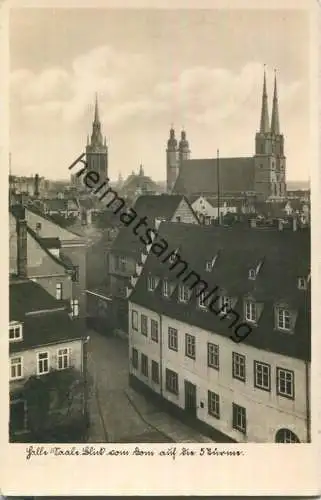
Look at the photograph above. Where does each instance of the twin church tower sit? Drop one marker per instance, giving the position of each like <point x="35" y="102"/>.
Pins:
<point x="262" y="174"/>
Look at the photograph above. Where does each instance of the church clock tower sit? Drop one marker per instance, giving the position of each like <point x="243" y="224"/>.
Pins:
<point x="96" y="149"/>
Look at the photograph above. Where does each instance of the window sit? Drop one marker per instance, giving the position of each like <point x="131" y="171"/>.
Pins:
<point x="143" y="325"/>
<point x="178" y="218"/>
<point x="134" y="358"/>
<point x="151" y="283"/>
<point x="38" y="226"/>
<point x="238" y="366"/>
<point x="144" y="361"/>
<point x="121" y="263"/>
<point x="190" y="349"/>
<point x="155" y="372"/>
<point x="285" y="383"/>
<point x="59" y="291"/>
<point x="154" y="330"/>
<point x="213" y="358"/>
<point x="172" y="338"/>
<point x="63" y="358"/>
<point x="42" y="363"/>
<point x="171" y="381"/>
<point x="74" y="308"/>
<point x="213" y="404"/>
<point x="208" y="266"/>
<point x="250" y="311"/>
<point x="286" y="436"/>
<point x="165" y="288"/>
<point x="75" y="274"/>
<point x="226" y="304"/>
<point x="262" y="376"/>
<point x="252" y="274"/>
<point x="183" y="293"/>
<point x="16" y="370"/>
<point x="283" y="319"/>
<point x="239" y="418"/>
<point x="202" y="299"/>
<point x="134" y="320"/>
<point x="15" y="331"/>
<point x="302" y="283"/>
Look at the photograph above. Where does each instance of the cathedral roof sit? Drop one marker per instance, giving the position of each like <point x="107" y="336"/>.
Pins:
<point x="199" y="176"/>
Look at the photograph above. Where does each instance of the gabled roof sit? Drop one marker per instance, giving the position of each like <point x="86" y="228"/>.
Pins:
<point x="53" y="229"/>
<point x="152" y="206"/>
<point x="199" y="176"/>
<point x="50" y="326"/>
<point x="286" y="256"/>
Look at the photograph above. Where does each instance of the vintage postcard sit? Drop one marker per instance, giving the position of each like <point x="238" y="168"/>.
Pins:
<point x="161" y="165"/>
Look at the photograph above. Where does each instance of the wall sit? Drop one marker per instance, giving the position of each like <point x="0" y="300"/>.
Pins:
<point x="185" y="213"/>
<point x="278" y="412"/>
<point x="30" y="358"/>
<point x="77" y="255"/>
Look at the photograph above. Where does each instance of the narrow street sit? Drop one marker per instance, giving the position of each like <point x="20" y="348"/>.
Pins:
<point x="117" y="412"/>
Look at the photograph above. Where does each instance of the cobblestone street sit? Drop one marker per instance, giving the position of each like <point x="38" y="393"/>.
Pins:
<point x="117" y="412"/>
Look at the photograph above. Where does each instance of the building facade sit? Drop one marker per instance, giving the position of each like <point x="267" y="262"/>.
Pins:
<point x="181" y="348"/>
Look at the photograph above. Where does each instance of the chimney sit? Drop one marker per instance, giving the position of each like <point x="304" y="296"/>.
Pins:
<point x="36" y="187"/>
<point x="280" y="224"/>
<point x="21" y="227"/>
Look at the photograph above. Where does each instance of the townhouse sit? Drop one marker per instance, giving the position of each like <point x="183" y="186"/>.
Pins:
<point x="127" y="247"/>
<point x="47" y="367"/>
<point x="181" y="352"/>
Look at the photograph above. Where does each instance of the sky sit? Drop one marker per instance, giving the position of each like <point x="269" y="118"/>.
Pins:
<point x="201" y="70"/>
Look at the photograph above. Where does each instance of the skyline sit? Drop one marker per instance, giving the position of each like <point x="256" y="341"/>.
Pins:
<point x="206" y="82"/>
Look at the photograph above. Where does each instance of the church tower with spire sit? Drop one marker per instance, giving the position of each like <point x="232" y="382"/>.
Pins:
<point x="172" y="161"/>
<point x="184" y="152"/>
<point x="269" y="160"/>
<point x="96" y="149"/>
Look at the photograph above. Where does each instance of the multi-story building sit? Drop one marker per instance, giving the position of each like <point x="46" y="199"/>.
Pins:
<point x="47" y="371"/>
<point x="182" y="344"/>
<point x="125" y="253"/>
<point x="261" y="175"/>
<point x="66" y="246"/>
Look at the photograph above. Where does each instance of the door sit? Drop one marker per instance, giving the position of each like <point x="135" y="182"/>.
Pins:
<point x="190" y="399"/>
<point x="17" y="416"/>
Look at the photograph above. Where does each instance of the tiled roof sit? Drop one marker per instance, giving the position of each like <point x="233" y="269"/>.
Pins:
<point x="40" y="329"/>
<point x="285" y="255"/>
<point x="199" y="176"/>
<point x="151" y="206"/>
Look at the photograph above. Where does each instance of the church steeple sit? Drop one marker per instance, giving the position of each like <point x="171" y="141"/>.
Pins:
<point x="275" y="123"/>
<point x="264" y="124"/>
<point x="96" y="136"/>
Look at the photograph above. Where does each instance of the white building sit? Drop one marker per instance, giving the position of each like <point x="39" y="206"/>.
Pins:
<point x="256" y="390"/>
<point x="207" y="209"/>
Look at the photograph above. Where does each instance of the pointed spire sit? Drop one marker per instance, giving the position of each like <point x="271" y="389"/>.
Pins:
<point x="96" y="118"/>
<point x="264" y="125"/>
<point x="275" y="124"/>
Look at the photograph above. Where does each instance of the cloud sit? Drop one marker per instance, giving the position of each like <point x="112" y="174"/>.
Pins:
<point x="139" y="100"/>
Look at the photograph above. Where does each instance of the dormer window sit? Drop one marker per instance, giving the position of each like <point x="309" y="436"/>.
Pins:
<point x="252" y="274"/>
<point x="15" y="331"/>
<point x="202" y="300"/>
<point x="208" y="266"/>
<point x="151" y="283"/>
<point x="225" y="304"/>
<point x="250" y="311"/>
<point x="302" y="283"/>
<point x="165" y="288"/>
<point x="283" y="319"/>
<point x="183" y="293"/>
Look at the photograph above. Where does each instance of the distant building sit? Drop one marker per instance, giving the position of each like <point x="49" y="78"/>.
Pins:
<point x="138" y="184"/>
<point x="207" y="209"/>
<point x="262" y="174"/>
<point x="125" y="253"/>
<point x="181" y="327"/>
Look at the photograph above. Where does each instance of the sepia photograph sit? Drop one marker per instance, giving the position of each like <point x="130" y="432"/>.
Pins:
<point x="160" y="165"/>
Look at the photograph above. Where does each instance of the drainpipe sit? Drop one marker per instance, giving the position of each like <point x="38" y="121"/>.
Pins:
<point x="160" y="355"/>
<point x="307" y="392"/>
<point x="85" y="371"/>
